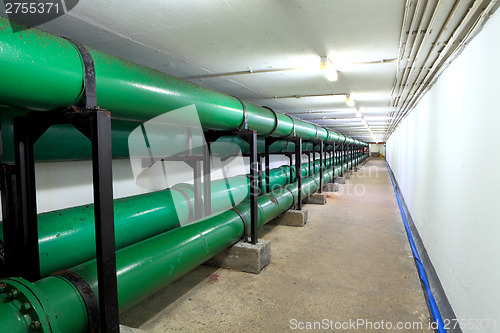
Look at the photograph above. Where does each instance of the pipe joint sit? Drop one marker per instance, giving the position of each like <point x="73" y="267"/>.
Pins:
<point x="24" y="307"/>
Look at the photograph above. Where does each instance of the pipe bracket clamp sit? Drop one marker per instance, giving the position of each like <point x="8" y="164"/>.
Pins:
<point x="90" y="90"/>
<point x="245" y="223"/>
<point x="88" y="297"/>
<point x="293" y="197"/>
<point x="244" y="123"/>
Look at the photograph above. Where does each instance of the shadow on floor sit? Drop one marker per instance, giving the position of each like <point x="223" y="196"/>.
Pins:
<point x="154" y="304"/>
<point x="148" y="308"/>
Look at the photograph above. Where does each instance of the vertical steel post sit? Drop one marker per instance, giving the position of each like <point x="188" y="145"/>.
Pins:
<point x="207" y="180"/>
<point x="309" y="164"/>
<point x="267" y="144"/>
<point x="260" y="185"/>
<point x="11" y="232"/>
<point x="333" y="161"/>
<point x="314" y="157"/>
<point x="254" y="190"/>
<point x="27" y="258"/>
<point x="351" y="156"/>
<point x="321" y="168"/>
<point x="330" y="158"/>
<point x="342" y="151"/>
<point x="298" y="171"/>
<point x="104" y="221"/>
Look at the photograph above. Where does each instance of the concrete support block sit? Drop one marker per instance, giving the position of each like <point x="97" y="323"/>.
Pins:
<point x="351" y="172"/>
<point x="347" y="175"/>
<point x="293" y="218"/>
<point x="244" y="257"/>
<point x="340" y="180"/>
<point x="316" y="199"/>
<point x="356" y="169"/>
<point x="331" y="187"/>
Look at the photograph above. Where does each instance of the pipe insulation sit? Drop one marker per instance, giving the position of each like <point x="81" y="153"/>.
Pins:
<point x="143" y="268"/>
<point x="67" y="236"/>
<point x="43" y="72"/>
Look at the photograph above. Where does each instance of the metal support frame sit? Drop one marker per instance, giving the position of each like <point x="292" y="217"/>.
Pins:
<point x="322" y="166"/>
<point x="332" y="156"/>
<point x="21" y="225"/>
<point x="334" y="146"/>
<point x="260" y="184"/>
<point x="298" y="169"/>
<point x="342" y="160"/>
<point x="309" y="173"/>
<point x="351" y="156"/>
<point x="298" y="163"/>
<point x="20" y="213"/>
<point x="249" y="136"/>
<point x="207" y="179"/>
<point x="320" y="144"/>
<point x="268" y="142"/>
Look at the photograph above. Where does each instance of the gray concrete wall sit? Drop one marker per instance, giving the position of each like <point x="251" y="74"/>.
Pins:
<point x="445" y="158"/>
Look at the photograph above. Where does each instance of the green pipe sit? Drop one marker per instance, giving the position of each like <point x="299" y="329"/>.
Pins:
<point x="72" y="145"/>
<point x="67" y="236"/>
<point x="53" y="304"/>
<point x="43" y="72"/>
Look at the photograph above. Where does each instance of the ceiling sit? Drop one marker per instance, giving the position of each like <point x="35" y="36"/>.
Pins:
<point x="280" y="42"/>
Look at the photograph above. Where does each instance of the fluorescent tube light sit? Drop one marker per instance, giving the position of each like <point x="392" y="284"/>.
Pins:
<point x="328" y="69"/>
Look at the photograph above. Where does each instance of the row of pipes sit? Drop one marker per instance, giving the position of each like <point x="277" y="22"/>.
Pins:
<point x="422" y="20"/>
<point x="155" y="242"/>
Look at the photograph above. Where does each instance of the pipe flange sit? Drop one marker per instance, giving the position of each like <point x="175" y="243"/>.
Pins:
<point x="317" y="185"/>
<point x="293" y="196"/>
<point x="190" y="204"/>
<point x="244" y="122"/>
<point x="275" y="121"/>
<point x="292" y="134"/>
<point x="21" y="294"/>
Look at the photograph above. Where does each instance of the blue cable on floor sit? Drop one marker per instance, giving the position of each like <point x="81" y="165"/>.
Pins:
<point x="421" y="270"/>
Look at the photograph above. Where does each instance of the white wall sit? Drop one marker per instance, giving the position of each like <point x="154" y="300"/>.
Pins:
<point x="377" y="148"/>
<point x="445" y="158"/>
<point x="69" y="184"/>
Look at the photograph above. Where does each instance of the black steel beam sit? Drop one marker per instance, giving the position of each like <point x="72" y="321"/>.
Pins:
<point x="104" y="221"/>
<point x="298" y="170"/>
<point x="207" y="180"/>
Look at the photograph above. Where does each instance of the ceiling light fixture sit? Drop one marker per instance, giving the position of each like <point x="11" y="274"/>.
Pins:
<point x="328" y="69"/>
<point x="349" y="101"/>
<point x="358" y="113"/>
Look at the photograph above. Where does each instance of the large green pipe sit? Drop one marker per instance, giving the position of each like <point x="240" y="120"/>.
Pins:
<point x="44" y="72"/>
<point x="54" y="305"/>
<point x="72" y="145"/>
<point x="67" y="236"/>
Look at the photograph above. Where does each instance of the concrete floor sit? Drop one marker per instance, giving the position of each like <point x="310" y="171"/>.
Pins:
<point x="350" y="262"/>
